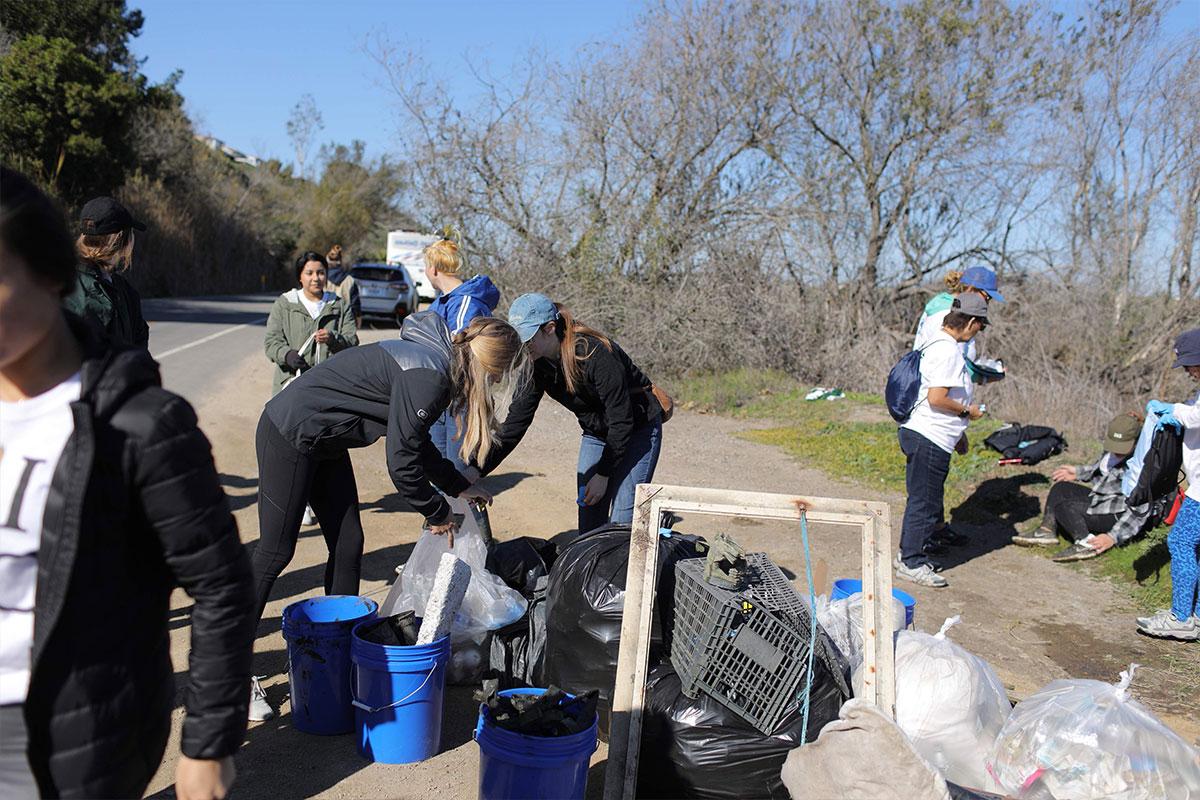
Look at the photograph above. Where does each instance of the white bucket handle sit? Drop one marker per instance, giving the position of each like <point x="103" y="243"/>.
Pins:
<point x="354" y="701"/>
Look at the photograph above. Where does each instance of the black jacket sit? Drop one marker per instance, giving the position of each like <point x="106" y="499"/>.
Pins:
<point x="396" y="388"/>
<point x="611" y="401"/>
<point x="135" y="509"/>
<point x="111" y="303"/>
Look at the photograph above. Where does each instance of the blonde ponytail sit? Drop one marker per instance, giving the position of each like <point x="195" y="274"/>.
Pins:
<point x="953" y="281"/>
<point x="489" y="365"/>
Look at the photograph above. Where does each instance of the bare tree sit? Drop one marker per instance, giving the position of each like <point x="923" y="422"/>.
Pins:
<point x="303" y="127"/>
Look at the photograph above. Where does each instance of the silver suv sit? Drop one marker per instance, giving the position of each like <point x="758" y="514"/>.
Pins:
<point x="385" y="291"/>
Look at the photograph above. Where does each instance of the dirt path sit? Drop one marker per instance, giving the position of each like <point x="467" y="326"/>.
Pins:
<point x="1035" y="621"/>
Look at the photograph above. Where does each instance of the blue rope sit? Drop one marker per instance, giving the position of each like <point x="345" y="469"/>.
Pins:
<point x="812" y="627"/>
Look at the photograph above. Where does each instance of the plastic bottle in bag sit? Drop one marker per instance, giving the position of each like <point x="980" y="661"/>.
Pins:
<point x="1082" y="739"/>
<point x="949" y="702"/>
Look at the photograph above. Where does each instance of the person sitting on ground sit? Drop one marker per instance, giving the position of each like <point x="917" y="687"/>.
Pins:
<point x="936" y="428"/>
<point x="112" y="500"/>
<point x="343" y="283"/>
<point x="100" y="292"/>
<point x="1182" y="620"/>
<point x="458" y="303"/>
<point x="308" y="319"/>
<point x="1094" y="518"/>
<point x="619" y="410"/>
<point x="978" y="280"/>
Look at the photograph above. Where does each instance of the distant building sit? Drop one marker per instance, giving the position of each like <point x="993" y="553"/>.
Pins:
<point x="237" y="156"/>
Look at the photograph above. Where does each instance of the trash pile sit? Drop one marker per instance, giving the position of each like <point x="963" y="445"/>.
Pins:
<point x="551" y="713"/>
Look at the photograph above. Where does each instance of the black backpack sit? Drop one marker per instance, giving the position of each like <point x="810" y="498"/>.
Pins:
<point x="1030" y="443"/>
<point x="1160" y="468"/>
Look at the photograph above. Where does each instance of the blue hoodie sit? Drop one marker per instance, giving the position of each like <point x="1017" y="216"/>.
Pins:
<point x="477" y="297"/>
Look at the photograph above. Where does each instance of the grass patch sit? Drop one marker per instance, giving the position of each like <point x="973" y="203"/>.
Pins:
<point x="854" y="439"/>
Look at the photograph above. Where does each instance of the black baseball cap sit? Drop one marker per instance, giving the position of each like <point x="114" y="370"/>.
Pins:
<point x="104" y="215"/>
<point x="1187" y="349"/>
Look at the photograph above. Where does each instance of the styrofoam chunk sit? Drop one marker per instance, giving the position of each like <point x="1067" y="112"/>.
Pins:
<point x="445" y="598"/>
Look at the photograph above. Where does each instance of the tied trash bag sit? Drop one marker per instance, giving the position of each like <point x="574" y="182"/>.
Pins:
<point x="489" y="604"/>
<point x="949" y="703"/>
<point x="1079" y="739"/>
<point x="585" y="600"/>
<point x="700" y="749"/>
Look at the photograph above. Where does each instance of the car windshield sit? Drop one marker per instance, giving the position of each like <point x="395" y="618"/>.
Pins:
<point x="378" y="273"/>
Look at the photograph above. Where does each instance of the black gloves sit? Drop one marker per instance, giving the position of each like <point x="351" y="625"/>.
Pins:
<point x="295" y="361"/>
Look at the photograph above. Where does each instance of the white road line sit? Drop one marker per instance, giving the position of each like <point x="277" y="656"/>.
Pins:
<point x="209" y="338"/>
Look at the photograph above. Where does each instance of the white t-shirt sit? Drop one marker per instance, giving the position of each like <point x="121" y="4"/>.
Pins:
<point x="1189" y="415"/>
<point x="33" y="434"/>
<point x="314" y="306"/>
<point x="942" y="364"/>
<point x="931" y="325"/>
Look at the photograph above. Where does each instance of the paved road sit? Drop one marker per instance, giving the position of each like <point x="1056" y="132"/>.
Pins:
<point x="197" y="339"/>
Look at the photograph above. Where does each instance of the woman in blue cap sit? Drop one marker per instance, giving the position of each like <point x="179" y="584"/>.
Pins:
<point x="618" y="408"/>
<point x="980" y="280"/>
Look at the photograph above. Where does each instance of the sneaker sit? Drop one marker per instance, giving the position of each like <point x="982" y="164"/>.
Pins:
<point x="923" y="575"/>
<point x="260" y="709"/>
<point x="1042" y="537"/>
<point x="1163" y="625"/>
<point x="309" y="517"/>
<point x="1076" y="552"/>
<point x="948" y="537"/>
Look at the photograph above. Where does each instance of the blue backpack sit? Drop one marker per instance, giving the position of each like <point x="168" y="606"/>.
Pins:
<point x="903" y="385"/>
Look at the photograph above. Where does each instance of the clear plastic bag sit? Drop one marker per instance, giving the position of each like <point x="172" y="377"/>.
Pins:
<point x="842" y="620"/>
<point x="489" y="603"/>
<point x="1077" y="739"/>
<point x="950" y="704"/>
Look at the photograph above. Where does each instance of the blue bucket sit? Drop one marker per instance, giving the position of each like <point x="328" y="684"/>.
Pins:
<point x="398" y="698"/>
<point x="513" y="766"/>
<point x="317" y="632"/>
<point x="844" y="587"/>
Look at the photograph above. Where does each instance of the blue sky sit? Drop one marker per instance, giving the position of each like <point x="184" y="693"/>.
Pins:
<point x="247" y="62"/>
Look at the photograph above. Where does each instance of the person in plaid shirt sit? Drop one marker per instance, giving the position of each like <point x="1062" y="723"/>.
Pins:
<point x="1095" y="517"/>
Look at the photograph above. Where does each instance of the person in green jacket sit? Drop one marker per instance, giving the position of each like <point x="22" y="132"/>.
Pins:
<point x="307" y="324"/>
<point x="101" y="293"/>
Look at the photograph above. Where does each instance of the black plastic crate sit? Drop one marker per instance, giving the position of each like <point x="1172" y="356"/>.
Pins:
<point x="747" y="647"/>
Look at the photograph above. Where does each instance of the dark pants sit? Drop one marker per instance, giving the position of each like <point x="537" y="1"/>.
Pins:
<point x="16" y="778"/>
<point x="925" y="471"/>
<point x="1066" y="512"/>
<point x="287" y="479"/>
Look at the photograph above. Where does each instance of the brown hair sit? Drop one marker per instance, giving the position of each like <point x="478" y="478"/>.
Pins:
<point x="445" y="256"/>
<point x="487" y="353"/>
<point x="335" y="253"/>
<point x="957" y="320"/>
<point x="568" y="330"/>
<point x="111" y="252"/>
<point x="953" y="281"/>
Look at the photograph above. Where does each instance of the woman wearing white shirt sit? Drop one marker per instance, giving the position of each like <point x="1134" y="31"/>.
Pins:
<point x="309" y="319"/>
<point x="935" y="429"/>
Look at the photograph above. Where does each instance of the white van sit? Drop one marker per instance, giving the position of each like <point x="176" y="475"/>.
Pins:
<point x="404" y="248"/>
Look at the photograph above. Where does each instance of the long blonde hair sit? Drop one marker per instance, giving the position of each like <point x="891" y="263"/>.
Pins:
<point x="489" y="365"/>
<point x="444" y="255"/>
<point x="568" y="329"/>
<point x="111" y="252"/>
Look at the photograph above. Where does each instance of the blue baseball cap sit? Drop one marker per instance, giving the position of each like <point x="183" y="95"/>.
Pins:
<point x="1187" y="349"/>
<point x="981" y="278"/>
<point x="530" y="312"/>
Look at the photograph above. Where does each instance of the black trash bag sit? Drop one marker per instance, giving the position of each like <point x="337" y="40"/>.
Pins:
<point x="584" y="602"/>
<point x="1030" y="443"/>
<point x="700" y="749"/>
<point x="551" y="713"/>
<point x="520" y="562"/>
<point x="1159" y="477"/>
<point x="398" y="630"/>
<point x="517" y="648"/>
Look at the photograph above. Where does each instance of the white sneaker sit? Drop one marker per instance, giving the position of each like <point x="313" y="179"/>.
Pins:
<point x="922" y="575"/>
<point x="260" y="709"/>
<point x="309" y="517"/>
<point x="1163" y="625"/>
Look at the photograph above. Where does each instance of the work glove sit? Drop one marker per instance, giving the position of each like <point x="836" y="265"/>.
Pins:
<point x="1165" y="414"/>
<point x="295" y="361"/>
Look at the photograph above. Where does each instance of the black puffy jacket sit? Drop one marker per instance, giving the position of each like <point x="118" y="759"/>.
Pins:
<point x="396" y="388"/>
<point x="135" y="509"/>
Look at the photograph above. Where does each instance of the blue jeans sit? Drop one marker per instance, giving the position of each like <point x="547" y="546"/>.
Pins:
<point x="925" y="471"/>
<point x="1182" y="540"/>
<point x="443" y="432"/>
<point x="636" y="466"/>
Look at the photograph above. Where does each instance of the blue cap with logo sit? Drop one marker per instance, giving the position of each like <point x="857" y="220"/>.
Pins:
<point x="981" y="278"/>
<point x="1187" y="349"/>
<point x="530" y="312"/>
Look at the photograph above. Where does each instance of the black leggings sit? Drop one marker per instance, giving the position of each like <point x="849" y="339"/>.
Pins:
<point x="1066" y="512"/>
<point x="287" y="479"/>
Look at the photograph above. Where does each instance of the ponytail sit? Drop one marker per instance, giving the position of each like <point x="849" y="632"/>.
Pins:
<point x="568" y="331"/>
<point x="953" y="281"/>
